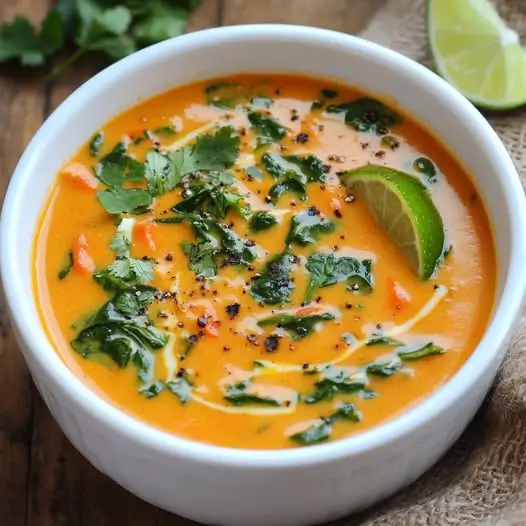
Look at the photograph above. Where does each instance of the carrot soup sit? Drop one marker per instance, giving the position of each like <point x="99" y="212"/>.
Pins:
<point x="264" y="261"/>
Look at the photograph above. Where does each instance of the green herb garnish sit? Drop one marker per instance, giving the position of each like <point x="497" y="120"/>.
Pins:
<point x="274" y="284"/>
<point x="268" y="129"/>
<point x="240" y="394"/>
<point x="298" y="327"/>
<point x="181" y="387"/>
<point x="96" y="143"/>
<point x="327" y="269"/>
<point x="307" y="227"/>
<point x="412" y="353"/>
<point x="335" y="380"/>
<point x="261" y="221"/>
<point x="68" y="266"/>
<point x="367" y="115"/>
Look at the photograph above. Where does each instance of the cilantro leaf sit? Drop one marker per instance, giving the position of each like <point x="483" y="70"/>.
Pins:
<point x="307" y="168"/>
<point x="125" y="200"/>
<point x="367" y="115"/>
<point x="297" y="326"/>
<point x="274" y="284"/>
<point x="268" y="129"/>
<point x="160" y="175"/>
<point x="96" y="143"/>
<point x="19" y="40"/>
<point x="307" y="227"/>
<point x="216" y="151"/>
<point x="201" y="258"/>
<point x="327" y="269"/>
<point x="386" y="367"/>
<point x="422" y="351"/>
<point x="133" y="170"/>
<point x="211" y="195"/>
<point x="160" y="20"/>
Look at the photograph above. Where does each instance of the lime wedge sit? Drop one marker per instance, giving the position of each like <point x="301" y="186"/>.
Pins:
<point x="477" y="53"/>
<point x="404" y="209"/>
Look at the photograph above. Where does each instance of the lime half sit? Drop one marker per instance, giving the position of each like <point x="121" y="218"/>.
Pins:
<point x="403" y="207"/>
<point x="477" y="53"/>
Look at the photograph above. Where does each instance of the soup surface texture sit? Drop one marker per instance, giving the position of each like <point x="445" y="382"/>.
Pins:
<point x="264" y="262"/>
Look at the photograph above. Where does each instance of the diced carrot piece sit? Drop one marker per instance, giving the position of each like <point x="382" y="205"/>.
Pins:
<point x="145" y="233"/>
<point x="399" y="296"/>
<point x="81" y="176"/>
<point x="307" y="311"/>
<point x="82" y="261"/>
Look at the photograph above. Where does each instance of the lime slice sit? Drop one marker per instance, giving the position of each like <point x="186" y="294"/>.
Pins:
<point x="477" y="53"/>
<point x="403" y="207"/>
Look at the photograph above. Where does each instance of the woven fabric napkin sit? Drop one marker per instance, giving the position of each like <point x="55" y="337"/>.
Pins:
<point x="482" y="480"/>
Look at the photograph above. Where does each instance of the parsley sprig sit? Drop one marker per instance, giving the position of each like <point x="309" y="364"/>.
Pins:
<point x="114" y="28"/>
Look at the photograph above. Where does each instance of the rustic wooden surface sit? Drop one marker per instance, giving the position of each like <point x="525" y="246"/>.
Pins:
<point x="43" y="480"/>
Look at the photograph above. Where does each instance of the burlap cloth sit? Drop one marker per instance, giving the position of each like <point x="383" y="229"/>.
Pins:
<point x="482" y="480"/>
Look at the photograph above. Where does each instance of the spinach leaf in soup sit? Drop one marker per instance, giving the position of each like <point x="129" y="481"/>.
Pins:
<point x="412" y="352"/>
<point x="334" y="381"/>
<point x="68" y="266"/>
<point x="261" y="221"/>
<point x="152" y="390"/>
<point x="305" y="168"/>
<point x="242" y="394"/>
<point x="326" y="269"/>
<point x="96" y="143"/>
<point x="298" y="327"/>
<point x="181" y="387"/>
<point x="122" y="331"/>
<point x="367" y="115"/>
<point x="223" y="95"/>
<point x="274" y="284"/>
<point x="322" y="429"/>
<point x="266" y="127"/>
<point x="307" y="227"/>
<point x="385" y="367"/>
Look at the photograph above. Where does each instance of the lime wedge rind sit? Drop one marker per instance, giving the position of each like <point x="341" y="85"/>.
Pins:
<point x="477" y="53"/>
<point x="405" y="210"/>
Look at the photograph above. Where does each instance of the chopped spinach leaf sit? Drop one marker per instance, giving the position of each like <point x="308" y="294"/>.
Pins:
<point x="333" y="381"/>
<point x="152" y="390"/>
<point x="412" y="353"/>
<point x="68" y="266"/>
<point x="274" y="285"/>
<point x="298" y="327"/>
<point x="254" y="173"/>
<point x="165" y="131"/>
<point x="289" y="185"/>
<point x="322" y="430"/>
<point x="222" y="95"/>
<point x="122" y="331"/>
<point x="367" y="394"/>
<point x="96" y="143"/>
<point x="181" y="387"/>
<point x="386" y="367"/>
<point x="307" y="227"/>
<point x="367" y="115"/>
<point x="426" y="167"/>
<point x="326" y="269"/>
<point x="329" y="93"/>
<point x="316" y="105"/>
<point x="303" y="168"/>
<point x="380" y="339"/>
<point x="125" y="200"/>
<point x="261" y="221"/>
<point x="240" y="394"/>
<point x="268" y="129"/>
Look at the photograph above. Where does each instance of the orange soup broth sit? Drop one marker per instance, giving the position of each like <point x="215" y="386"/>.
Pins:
<point x="457" y="323"/>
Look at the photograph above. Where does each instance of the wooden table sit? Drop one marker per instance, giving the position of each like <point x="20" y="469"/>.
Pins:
<point x="43" y="480"/>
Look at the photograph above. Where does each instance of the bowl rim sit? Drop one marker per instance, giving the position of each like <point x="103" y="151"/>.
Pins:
<point x="37" y="344"/>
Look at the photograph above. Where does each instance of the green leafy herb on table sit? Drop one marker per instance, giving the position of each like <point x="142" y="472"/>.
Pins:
<point x="322" y="430"/>
<point x="113" y="28"/>
<point x="297" y="326"/>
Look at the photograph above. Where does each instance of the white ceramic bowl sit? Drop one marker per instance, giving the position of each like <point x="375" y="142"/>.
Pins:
<point x="247" y="487"/>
